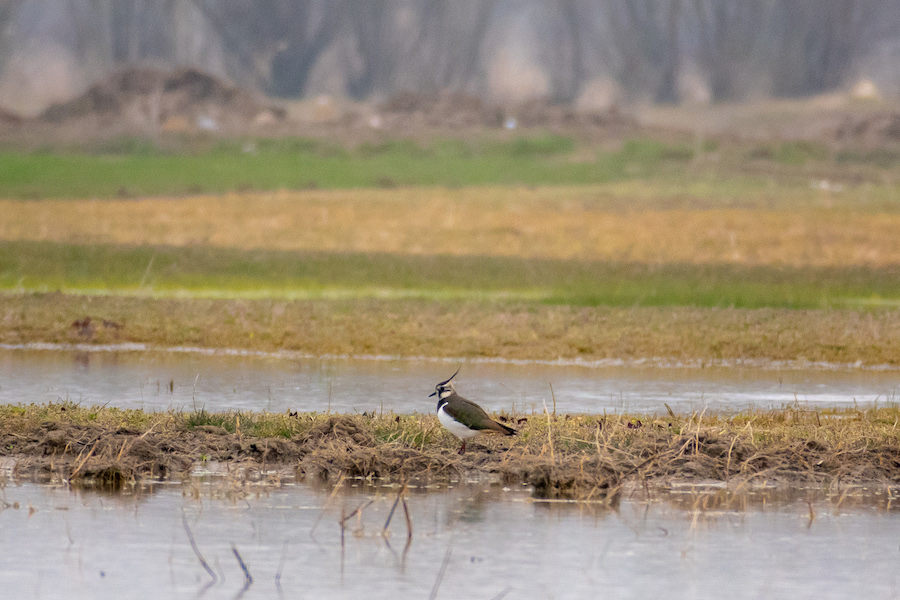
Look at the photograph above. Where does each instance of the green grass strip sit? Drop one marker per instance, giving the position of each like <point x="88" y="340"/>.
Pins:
<point x="222" y="272"/>
<point x="140" y="169"/>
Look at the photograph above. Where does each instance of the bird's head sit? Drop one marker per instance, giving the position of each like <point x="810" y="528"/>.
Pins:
<point x="444" y="388"/>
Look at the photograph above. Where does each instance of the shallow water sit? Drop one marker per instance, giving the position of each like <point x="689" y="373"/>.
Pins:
<point x="185" y="380"/>
<point x="65" y="544"/>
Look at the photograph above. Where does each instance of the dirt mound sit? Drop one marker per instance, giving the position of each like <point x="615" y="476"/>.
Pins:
<point x="106" y="457"/>
<point x="542" y="113"/>
<point x="590" y="479"/>
<point x="112" y="457"/>
<point x="344" y="431"/>
<point x="444" y="109"/>
<point x="10" y="118"/>
<point x="173" y="100"/>
<point x="456" y="110"/>
<point x="344" y="444"/>
<point x="871" y="130"/>
<point x="394" y="462"/>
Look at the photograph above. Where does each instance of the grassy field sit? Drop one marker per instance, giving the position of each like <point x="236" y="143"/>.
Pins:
<point x="459" y="328"/>
<point x="133" y="168"/>
<point x="136" y="168"/>
<point x="537" y="247"/>
<point x="621" y="244"/>
<point x="648" y="221"/>
<point x="203" y="271"/>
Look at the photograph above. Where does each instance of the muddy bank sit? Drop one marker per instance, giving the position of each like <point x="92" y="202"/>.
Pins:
<point x="571" y="457"/>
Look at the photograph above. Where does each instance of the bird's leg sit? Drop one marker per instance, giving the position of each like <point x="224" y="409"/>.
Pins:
<point x="462" y="449"/>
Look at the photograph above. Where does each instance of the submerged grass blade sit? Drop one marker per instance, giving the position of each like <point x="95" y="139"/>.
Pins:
<point x="248" y="579"/>
<point x="203" y="563"/>
<point x="440" y="575"/>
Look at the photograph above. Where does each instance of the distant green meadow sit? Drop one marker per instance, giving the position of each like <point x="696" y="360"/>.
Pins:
<point x="133" y="168"/>
<point x="224" y="272"/>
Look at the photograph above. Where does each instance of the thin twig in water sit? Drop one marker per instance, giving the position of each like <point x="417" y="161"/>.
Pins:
<point x="440" y="575"/>
<point x="552" y="393"/>
<point x="393" y="508"/>
<point x="405" y="550"/>
<point x="343" y="518"/>
<point x="408" y="522"/>
<point x="242" y="591"/>
<point x="248" y="578"/>
<point x="196" y="550"/>
<point x="358" y="509"/>
<point x="280" y="569"/>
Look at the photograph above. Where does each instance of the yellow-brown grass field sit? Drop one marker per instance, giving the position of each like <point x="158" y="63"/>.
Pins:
<point x="655" y="225"/>
<point x="615" y="222"/>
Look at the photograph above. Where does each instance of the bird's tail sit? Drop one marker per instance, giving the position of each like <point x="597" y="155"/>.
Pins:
<point x="501" y="428"/>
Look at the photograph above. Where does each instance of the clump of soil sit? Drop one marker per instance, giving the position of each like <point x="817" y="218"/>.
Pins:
<point x="542" y="113"/>
<point x="89" y="454"/>
<point x="87" y="327"/>
<point x="337" y="431"/>
<point x="870" y="130"/>
<point x="594" y="478"/>
<point x="453" y="110"/>
<point x="9" y="118"/>
<point x="445" y="109"/>
<point x="345" y="445"/>
<point x="181" y="100"/>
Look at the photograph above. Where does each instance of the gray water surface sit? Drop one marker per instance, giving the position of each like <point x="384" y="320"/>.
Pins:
<point x="495" y="543"/>
<point x="184" y="380"/>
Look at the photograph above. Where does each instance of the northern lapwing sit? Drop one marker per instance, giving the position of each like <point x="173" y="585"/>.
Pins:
<point x="463" y="418"/>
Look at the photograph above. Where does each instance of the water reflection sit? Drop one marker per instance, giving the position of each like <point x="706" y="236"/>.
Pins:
<point x="472" y="508"/>
<point x="689" y="542"/>
<point x="187" y="381"/>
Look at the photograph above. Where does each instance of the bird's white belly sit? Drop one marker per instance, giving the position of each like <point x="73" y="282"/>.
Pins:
<point x="457" y="429"/>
